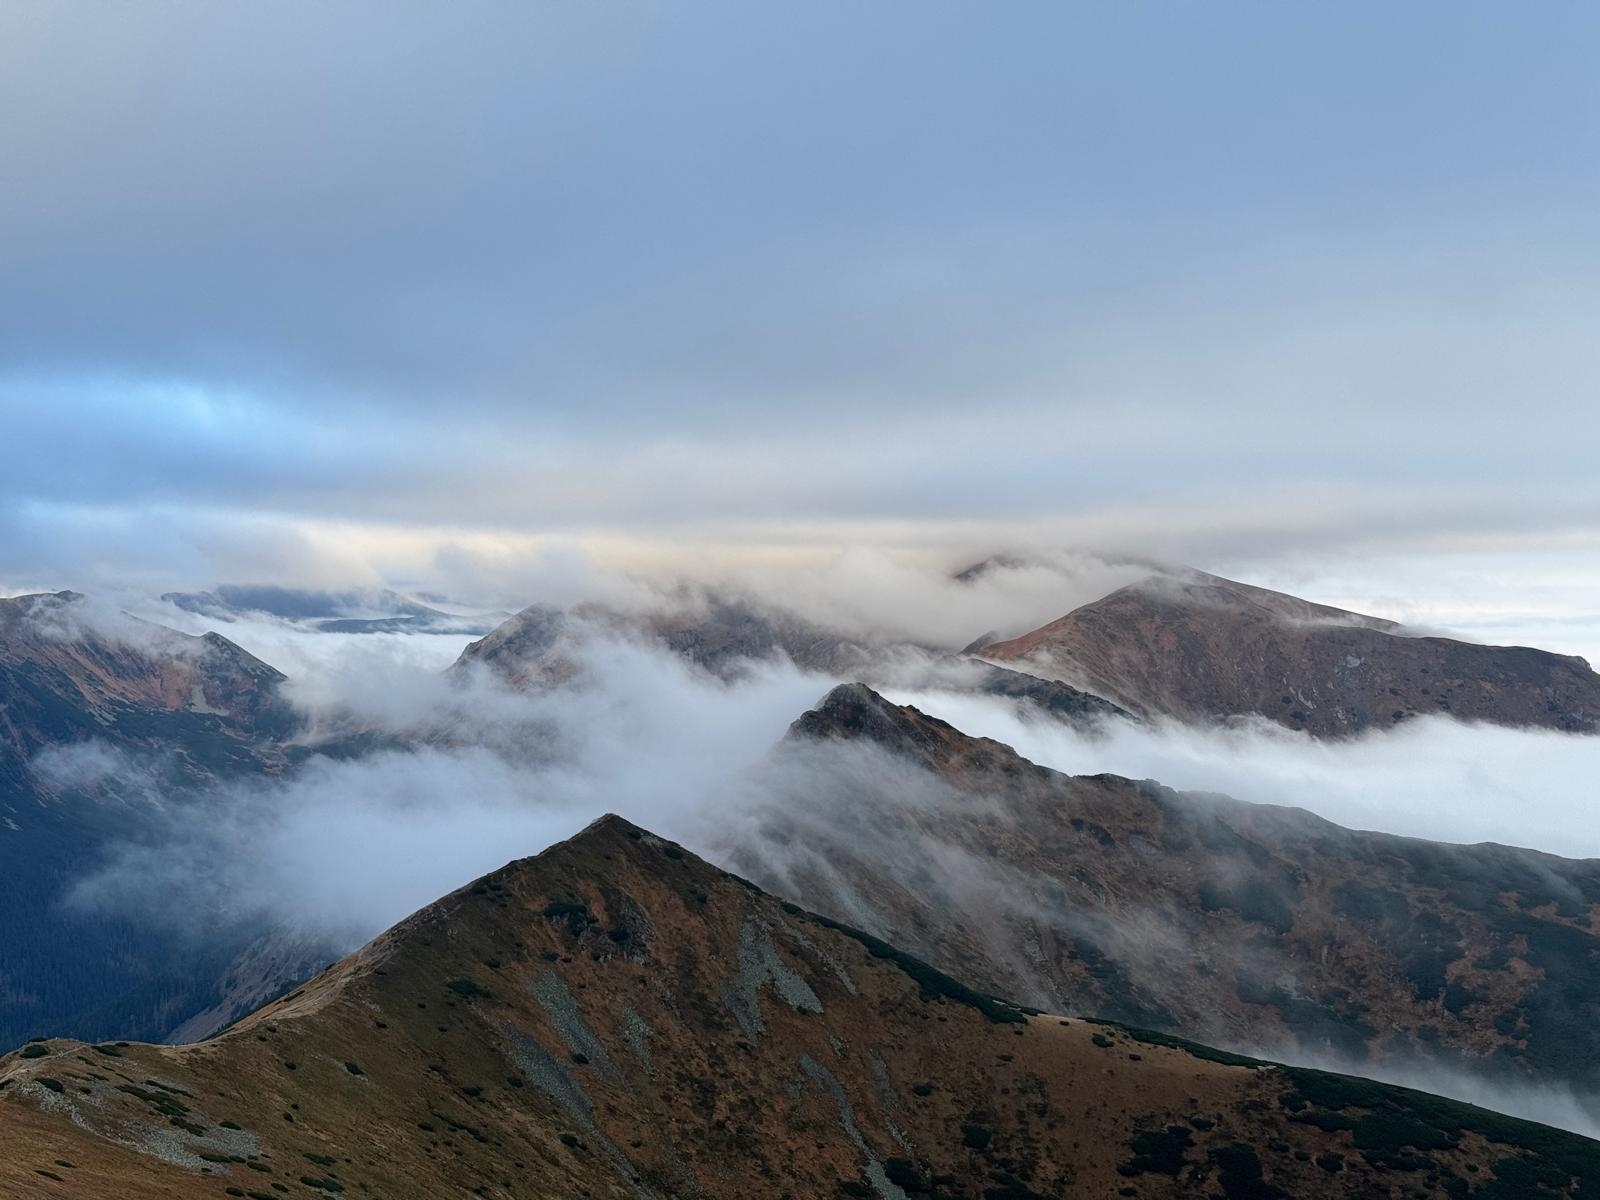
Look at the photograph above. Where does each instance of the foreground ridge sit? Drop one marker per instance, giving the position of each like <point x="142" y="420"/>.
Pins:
<point x="616" y="1017"/>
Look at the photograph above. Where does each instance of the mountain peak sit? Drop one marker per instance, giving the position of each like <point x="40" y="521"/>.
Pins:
<point x="615" y="1017"/>
<point x="854" y="710"/>
<point x="1198" y="647"/>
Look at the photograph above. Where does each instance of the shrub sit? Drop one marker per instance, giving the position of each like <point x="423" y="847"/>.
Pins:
<point x="903" y="1173"/>
<point x="34" y="1050"/>
<point x="1158" y="1151"/>
<point x="932" y="983"/>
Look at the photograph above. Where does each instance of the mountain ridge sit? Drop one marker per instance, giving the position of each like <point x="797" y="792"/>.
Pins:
<point x="1260" y="928"/>
<point x="616" y="1017"/>
<point x="1199" y="648"/>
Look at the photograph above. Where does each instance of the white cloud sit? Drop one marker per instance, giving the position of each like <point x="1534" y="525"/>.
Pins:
<point x="1432" y="778"/>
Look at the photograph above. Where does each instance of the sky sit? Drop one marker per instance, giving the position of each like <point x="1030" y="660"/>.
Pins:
<point x="429" y="294"/>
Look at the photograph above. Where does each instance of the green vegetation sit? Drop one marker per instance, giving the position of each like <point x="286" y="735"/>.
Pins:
<point x="468" y="989"/>
<point x="53" y="1084"/>
<point x="34" y="1050"/>
<point x="1101" y="1040"/>
<point x="1006" y="1186"/>
<point x="1157" y="1152"/>
<point x="1254" y="900"/>
<point x="1399" y="1120"/>
<point x="931" y="983"/>
<point x="903" y="1173"/>
<point x="1151" y="1038"/>
<point x="976" y="1137"/>
<point x="1239" y="1171"/>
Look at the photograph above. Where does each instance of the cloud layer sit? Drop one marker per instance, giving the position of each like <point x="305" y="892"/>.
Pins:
<point x="308" y="296"/>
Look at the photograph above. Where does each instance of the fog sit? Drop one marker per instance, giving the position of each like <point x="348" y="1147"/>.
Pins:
<point x="1433" y="778"/>
<point x="459" y="774"/>
<point x="343" y="847"/>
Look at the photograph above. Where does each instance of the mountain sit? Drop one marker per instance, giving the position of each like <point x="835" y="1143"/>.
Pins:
<point x="1254" y="927"/>
<point x="617" y="1018"/>
<point x="356" y="610"/>
<point x="722" y="635"/>
<point x="68" y="672"/>
<point x="1196" y="647"/>
<point x="725" y="636"/>
<point x="155" y="714"/>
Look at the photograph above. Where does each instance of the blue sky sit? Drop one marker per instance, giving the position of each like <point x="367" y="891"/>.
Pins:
<point x="312" y="290"/>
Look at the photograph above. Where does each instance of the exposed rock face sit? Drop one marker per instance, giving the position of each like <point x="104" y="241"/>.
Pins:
<point x="618" y="1018"/>
<point x="1243" y="925"/>
<point x="1200" y="648"/>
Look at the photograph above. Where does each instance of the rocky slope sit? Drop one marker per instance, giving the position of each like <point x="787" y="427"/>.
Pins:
<point x="616" y="1018"/>
<point x="1249" y="926"/>
<point x="182" y="711"/>
<point x="1196" y="647"/>
<point x="69" y="672"/>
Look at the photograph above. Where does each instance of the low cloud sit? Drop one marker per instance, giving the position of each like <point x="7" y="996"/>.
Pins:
<point x="1433" y="778"/>
<point x="467" y="774"/>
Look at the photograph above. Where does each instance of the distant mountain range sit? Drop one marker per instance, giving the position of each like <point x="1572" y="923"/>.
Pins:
<point x="363" y="610"/>
<point x="1196" y="647"/>
<point x="616" y="1017"/>
<point x="183" y="712"/>
<point x="1249" y="927"/>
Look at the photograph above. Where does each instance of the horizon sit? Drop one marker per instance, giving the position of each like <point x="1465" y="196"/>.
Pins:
<point x="665" y="286"/>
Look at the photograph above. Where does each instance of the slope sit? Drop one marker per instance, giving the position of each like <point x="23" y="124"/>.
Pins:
<point x="618" y="1018"/>
<point x="1196" y="647"/>
<point x="1249" y="926"/>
